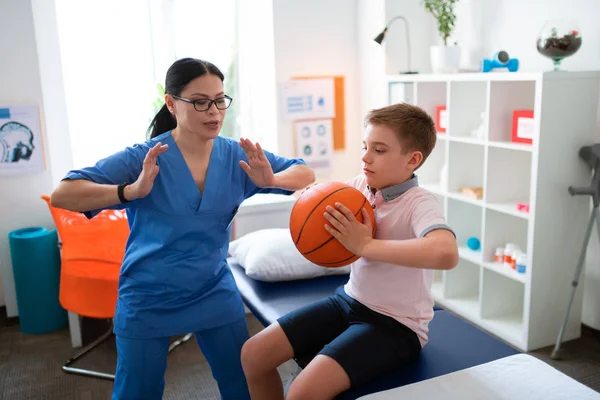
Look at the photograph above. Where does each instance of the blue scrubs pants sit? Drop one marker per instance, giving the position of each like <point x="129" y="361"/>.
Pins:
<point x="141" y="363"/>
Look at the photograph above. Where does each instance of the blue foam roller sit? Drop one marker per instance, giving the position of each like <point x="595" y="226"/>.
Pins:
<point x="36" y="268"/>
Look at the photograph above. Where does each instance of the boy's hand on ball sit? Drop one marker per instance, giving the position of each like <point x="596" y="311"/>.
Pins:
<point x="350" y="232"/>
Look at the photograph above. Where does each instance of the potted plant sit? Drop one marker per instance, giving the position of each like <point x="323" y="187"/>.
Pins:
<point x="444" y="58"/>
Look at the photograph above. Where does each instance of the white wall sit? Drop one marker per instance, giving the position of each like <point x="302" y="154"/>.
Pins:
<point x="315" y="37"/>
<point x="422" y="33"/>
<point x="514" y="25"/>
<point x="20" y="83"/>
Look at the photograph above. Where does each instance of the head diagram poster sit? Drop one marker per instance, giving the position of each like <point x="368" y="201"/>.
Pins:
<point x="21" y="150"/>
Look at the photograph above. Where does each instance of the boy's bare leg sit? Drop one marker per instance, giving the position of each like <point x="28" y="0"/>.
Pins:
<point x="261" y="355"/>
<point x="323" y="378"/>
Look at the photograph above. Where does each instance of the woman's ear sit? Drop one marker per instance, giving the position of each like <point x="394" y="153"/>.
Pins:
<point x="170" y="103"/>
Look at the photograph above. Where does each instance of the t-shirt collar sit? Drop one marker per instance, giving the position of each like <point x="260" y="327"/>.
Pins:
<point x="393" y="192"/>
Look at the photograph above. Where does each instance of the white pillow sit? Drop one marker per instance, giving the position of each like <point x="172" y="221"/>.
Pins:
<point x="270" y="255"/>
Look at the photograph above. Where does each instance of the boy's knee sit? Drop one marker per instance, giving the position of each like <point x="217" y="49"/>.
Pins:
<point x="253" y="356"/>
<point x="299" y="390"/>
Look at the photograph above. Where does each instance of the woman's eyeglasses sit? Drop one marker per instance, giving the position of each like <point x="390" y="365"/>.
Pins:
<point x="221" y="103"/>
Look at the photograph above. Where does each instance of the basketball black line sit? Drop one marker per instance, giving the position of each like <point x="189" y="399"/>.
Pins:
<point x="331" y="238"/>
<point x="330" y="263"/>
<point x="314" y="208"/>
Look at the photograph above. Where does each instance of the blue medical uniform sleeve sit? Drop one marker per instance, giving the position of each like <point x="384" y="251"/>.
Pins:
<point x="278" y="164"/>
<point x="122" y="167"/>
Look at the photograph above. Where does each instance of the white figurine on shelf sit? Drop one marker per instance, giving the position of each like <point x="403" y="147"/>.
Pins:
<point x="479" y="132"/>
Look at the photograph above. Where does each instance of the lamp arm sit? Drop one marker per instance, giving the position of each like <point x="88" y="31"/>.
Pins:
<point x="407" y="36"/>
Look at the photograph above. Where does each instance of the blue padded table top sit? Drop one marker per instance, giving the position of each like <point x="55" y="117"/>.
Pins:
<point x="454" y="344"/>
<point x="276" y="299"/>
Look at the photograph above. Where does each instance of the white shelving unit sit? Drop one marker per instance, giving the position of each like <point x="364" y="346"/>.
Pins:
<point x="525" y="310"/>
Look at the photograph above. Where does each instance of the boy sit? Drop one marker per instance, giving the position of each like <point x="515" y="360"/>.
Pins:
<point x="379" y="320"/>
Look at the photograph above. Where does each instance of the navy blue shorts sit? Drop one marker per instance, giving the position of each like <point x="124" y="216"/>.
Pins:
<point x="365" y="343"/>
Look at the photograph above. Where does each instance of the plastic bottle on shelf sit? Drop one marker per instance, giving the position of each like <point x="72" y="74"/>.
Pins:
<point x="522" y="263"/>
<point x="499" y="255"/>
<point x="513" y="259"/>
<point x="508" y="253"/>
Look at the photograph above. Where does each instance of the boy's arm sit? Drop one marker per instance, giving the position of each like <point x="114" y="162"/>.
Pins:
<point x="436" y="250"/>
<point x="433" y="248"/>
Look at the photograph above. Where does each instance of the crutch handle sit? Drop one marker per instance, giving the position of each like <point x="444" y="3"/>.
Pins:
<point x="573" y="191"/>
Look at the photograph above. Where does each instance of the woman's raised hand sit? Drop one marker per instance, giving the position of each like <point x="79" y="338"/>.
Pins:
<point x="258" y="167"/>
<point x="143" y="185"/>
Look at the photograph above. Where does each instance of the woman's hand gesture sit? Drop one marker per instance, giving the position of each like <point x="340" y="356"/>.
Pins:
<point x="258" y="167"/>
<point x="143" y="185"/>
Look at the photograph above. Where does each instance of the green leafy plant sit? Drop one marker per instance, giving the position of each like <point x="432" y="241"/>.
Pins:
<point x="160" y="99"/>
<point x="443" y="11"/>
<point x="230" y="126"/>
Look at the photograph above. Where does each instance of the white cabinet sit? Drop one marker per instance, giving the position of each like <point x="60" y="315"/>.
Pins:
<point x="527" y="309"/>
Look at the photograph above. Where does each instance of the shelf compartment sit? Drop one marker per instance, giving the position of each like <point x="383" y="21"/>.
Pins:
<point x="461" y="289"/>
<point x="402" y="92"/>
<point x="501" y="229"/>
<point x="430" y="95"/>
<point x="437" y="286"/>
<point x="465" y="169"/>
<point x="430" y="173"/>
<point x="465" y="220"/>
<point x="468" y="100"/>
<point x="511" y="145"/>
<point x="506" y="271"/>
<point x="502" y="304"/>
<point x="508" y="180"/>
<point x="505" y="97"/>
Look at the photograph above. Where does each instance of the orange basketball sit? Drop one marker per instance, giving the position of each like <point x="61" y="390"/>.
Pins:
<point x="307" y="222"/>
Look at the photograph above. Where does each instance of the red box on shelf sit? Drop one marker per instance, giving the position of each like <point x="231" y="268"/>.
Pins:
<point x="441" y="119"/>
<point x="522" y="126"/>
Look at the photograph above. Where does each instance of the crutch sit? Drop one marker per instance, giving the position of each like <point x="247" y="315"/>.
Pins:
<point x="591" y="154"/>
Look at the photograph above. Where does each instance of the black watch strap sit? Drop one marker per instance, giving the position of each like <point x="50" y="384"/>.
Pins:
<point x="120" y="190"/>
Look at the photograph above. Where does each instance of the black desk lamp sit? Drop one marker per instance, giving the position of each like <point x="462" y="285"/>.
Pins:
<point x="380" y="37"/>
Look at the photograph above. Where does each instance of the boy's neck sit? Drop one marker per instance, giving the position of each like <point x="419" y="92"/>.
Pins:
<point x="409" y="178"/>
<point x="394" y="191"/>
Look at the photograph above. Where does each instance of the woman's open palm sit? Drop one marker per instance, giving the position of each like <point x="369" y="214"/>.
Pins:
<point x="258" y="167"/>
<point x="144" y="183"/>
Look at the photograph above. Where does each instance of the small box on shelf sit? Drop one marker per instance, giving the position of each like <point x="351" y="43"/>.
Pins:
<point x="465" y="169"/>
<point x="441" y="119"/>
<point x="523" y="127"/>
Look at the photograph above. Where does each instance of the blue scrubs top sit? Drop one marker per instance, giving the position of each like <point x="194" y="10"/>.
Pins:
<point x="174" y="278"/>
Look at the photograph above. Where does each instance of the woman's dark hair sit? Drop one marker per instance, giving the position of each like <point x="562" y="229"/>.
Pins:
<point x="181" y="73"/>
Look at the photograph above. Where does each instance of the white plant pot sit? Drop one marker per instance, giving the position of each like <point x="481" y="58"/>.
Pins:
<point x="445" y="59"/>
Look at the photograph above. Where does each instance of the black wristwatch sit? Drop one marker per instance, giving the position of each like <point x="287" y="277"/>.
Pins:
<point x="120" y="190"/>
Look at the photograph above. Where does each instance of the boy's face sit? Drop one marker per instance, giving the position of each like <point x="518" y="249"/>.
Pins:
<point x="385" y="162"/>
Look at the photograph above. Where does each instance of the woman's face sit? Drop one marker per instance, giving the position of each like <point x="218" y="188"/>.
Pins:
<point x="207" y="123"/>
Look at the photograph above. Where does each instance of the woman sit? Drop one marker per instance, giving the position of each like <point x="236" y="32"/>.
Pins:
<point x="181" y="189"/>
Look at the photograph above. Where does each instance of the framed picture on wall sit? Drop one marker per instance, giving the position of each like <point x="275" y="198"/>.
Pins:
<point x="21" y="149"/>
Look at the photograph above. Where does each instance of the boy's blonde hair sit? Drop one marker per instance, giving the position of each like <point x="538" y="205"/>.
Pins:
<point x="413" y="126"/>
